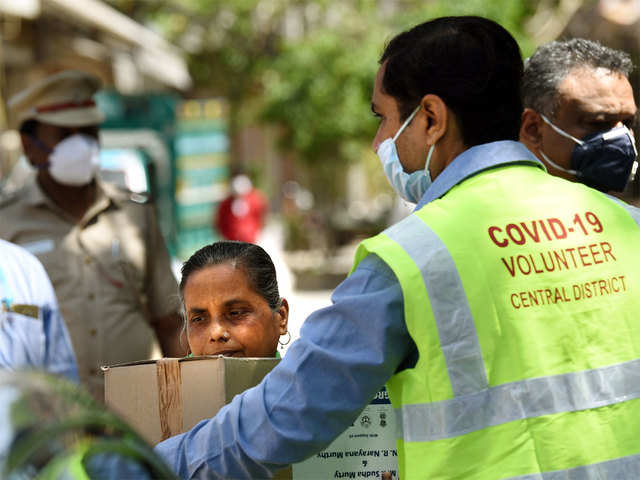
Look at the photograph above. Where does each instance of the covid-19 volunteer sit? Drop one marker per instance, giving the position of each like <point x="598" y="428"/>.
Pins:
<point x="503" y="313"/>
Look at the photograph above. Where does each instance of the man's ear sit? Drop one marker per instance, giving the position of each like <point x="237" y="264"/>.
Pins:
<point x="437" y="116"/>
<point x="531" y="129"/>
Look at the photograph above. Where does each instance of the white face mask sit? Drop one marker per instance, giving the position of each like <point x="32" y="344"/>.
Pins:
<point x="74" y="161"/>
<point x="410" y="186"/>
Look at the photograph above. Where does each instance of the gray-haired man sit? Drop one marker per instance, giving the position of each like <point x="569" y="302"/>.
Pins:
<point x="579" y="107"/>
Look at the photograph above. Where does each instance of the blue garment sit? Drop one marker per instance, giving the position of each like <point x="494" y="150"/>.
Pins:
<point x="39" y="338"/>
<point x="345" y="353"/>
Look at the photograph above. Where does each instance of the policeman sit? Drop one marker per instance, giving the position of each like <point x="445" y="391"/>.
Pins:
<point x="579" y="110"/>
<point x="104" y="253"/>
<point x="502" y="313"/>
<point x="32" y="332"/>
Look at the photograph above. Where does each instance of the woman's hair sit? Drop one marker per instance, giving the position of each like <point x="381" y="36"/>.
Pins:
<point x="471" y="63"/>
<point x="252" y="259"/>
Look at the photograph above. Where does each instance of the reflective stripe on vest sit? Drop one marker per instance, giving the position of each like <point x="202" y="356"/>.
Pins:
<point x="620" y="468"/>
<point x="519" y="400"/>
<point x="458" y="338"/>
<point x="489" y="417"/>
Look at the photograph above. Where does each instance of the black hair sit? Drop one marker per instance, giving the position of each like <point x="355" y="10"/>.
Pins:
<point x="471" y="63"/>
<point x="252" y="259"/>
<point x="551" y="63"/>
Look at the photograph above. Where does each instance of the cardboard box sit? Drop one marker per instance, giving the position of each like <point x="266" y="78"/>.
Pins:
<point x="161" y="398"/>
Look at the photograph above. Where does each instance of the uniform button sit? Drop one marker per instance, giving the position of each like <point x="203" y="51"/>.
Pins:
<point x="87" y="260"/>
<point x="93" y="332"/>
<point x="91" y="296"/>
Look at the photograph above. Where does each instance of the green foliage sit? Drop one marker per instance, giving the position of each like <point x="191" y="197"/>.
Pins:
<point x="511" y="14"/>
<point x="305" y="66"/>
<point x="315" y="82"/>
<point x="54" y="429"/>
<point x="319" y="89"/>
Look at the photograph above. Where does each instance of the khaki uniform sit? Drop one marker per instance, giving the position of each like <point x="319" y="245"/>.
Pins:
<point x="111" y="273"/>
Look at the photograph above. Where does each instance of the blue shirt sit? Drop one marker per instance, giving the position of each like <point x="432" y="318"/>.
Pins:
<point x="32" y="332"/>
<point x="345" y="353"/>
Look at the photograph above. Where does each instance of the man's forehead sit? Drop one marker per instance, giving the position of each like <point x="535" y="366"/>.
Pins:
<point x="598" y="91"/>
<point x="377" y="84"/>
<point x="381" y="102"/>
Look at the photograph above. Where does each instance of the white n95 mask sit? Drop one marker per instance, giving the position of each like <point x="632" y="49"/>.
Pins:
<point x="74" y="161"/>
<point x="410" y="186"/>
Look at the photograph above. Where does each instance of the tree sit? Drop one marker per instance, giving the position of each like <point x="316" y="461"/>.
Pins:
<point x="307" y="66"/>
<point x="318" y="88"/>
<point x="228" y="44"/>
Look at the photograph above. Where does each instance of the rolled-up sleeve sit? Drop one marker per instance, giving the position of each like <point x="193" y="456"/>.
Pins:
<point x="345" y="353"/>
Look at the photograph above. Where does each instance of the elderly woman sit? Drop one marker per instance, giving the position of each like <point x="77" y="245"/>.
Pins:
<point x="231" y="303"/>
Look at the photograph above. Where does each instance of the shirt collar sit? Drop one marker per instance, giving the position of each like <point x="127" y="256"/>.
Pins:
<point x="35" y="196"/>
<point x="474" y="160"/>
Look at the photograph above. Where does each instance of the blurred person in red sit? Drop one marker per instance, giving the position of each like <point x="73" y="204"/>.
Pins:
<point x="242" y="214"/>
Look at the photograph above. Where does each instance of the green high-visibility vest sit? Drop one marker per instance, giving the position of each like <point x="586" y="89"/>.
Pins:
<point x="522" y="294"/>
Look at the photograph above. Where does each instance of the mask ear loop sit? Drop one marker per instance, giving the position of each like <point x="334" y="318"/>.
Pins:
<point x="426" y="165"/>
<point x="40" y="144"/>
<point x="566" y="135"/>
<point x="560" y="131"/>
<point x="568" y="170"/>
<point x="42" y="147"/>
<point x="404" y="125"/>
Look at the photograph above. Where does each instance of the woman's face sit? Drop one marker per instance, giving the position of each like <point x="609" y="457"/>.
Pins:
<point x="225" y="316"/>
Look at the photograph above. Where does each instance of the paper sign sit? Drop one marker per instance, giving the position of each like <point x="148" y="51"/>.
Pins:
<point x="367" y="449"/>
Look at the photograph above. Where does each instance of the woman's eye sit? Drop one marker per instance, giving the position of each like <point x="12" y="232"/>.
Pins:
<point x="196" y="319"/>
<point x="237" y="314"/>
